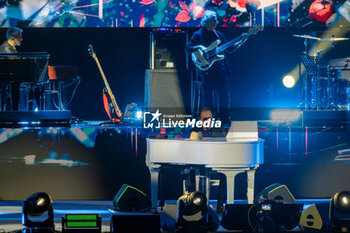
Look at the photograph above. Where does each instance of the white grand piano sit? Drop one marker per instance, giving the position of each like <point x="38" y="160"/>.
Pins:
<point x="229" y="156"/>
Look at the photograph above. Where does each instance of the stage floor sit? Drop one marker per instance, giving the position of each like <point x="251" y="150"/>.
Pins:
<point x="10" y="212"/>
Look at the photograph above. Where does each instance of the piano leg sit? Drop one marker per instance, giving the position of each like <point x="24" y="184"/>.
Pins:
<point x="154" y="170"/>
<point x="230" y="180"/>
<point x="207" y="184"/>
<point x="250" y="188"/>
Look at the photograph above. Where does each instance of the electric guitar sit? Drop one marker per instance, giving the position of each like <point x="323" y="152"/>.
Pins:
<point x="204" y="60"/>
<point x="109" y="101"/>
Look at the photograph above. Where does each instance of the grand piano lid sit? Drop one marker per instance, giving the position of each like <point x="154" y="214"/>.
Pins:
<point x="25" y="55"/>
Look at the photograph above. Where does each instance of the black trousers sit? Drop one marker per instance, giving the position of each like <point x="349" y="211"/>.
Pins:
<point x="216" y="93"/>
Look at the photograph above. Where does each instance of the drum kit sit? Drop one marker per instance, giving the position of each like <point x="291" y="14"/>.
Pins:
<point x="326" y="85"/>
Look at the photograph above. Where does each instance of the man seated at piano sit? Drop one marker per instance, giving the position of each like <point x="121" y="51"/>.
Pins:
<point x="207" y="115"/>
<point x="14" y="38"/>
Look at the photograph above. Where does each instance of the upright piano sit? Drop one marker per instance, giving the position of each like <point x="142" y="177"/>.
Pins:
<point x="227" y="156"/>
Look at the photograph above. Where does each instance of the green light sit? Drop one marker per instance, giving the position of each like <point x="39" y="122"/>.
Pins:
<point x="81" y="224"/>
<point x="81" y="217"/>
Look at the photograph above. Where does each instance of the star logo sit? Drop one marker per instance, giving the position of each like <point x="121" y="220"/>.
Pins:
<point x="156" y="115"/>
<point x="151" y="119"/>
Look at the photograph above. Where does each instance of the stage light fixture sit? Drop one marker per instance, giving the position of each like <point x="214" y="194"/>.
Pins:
<point x="89" y="223"/>
<point x="38" y="205"/>
<point x="132" y="113"/>
<point x="339" y="211"/>
<point x="139" y="114"/>
<point x="193" y="214"/>
<point x="288" y="81"/>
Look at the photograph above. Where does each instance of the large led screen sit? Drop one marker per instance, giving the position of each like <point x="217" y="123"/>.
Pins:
<point x="173" y="13"/>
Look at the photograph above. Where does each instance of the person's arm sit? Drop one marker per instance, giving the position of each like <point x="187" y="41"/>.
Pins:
<point x="193" y="44"/>
<point x="240" y="40"/>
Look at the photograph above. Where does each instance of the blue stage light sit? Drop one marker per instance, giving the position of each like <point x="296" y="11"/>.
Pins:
<point x="139" y="114"/>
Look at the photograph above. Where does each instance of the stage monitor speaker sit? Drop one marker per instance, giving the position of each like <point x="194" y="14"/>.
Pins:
<point x="315" y="217"/>
<point x="168" y="90"/>
<point x="235" y="217"/>
<point x="140" y="223"/>
<point x="276" y="192"/>
<point x="130" y="199"/>
<point x="168" y="50"/>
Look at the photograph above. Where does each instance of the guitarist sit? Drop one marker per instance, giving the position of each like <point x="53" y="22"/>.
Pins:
<point x="215" y="79"/>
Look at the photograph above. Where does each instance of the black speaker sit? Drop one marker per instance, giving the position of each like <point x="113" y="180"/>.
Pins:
<point x="140" y="223"/>
<point x="275" y="192"/>
<point x="315" y="217"/>
<point x="168" y="90"/>
<point x="239" y="217"/>
<point x="168" y="50"/>
<point x="244" y="217"/>
<point x="130" y="199"/>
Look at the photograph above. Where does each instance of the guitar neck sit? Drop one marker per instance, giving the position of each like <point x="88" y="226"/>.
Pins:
<point x="228" y="44"/>
<point x="114" y="102"/>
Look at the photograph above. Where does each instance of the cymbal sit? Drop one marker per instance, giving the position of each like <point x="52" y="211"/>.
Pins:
<point x="307" y="37"/>
<point x="319" y="39"/>
<point x="340" y="63"/>
<point x="334" y="39"/>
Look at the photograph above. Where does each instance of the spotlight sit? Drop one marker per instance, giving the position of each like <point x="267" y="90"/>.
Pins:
<point x="139" y="114"/>
<point x="288" y="81"/>
<point x="193" y="214"/>
<point x="192" y="203"/>
<point x="339" y="212"/>
<point x="37" y="205"/>
<point x="132" y="113"/>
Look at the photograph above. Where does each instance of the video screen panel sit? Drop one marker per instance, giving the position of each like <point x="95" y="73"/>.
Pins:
<point x="173" y="13"/>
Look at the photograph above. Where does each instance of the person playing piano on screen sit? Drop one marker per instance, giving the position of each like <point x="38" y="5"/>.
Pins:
<point x="14" y="38"/>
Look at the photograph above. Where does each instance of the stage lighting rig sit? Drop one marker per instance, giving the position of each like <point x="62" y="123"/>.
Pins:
<point x="339" y="211"/>
<point x="193" y="214"/>
<point x="36" y="207"/>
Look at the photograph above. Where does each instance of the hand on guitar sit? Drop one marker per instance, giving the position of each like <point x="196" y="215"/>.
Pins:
<point x="201" y="47"/>
<point x="204" y="57"/>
